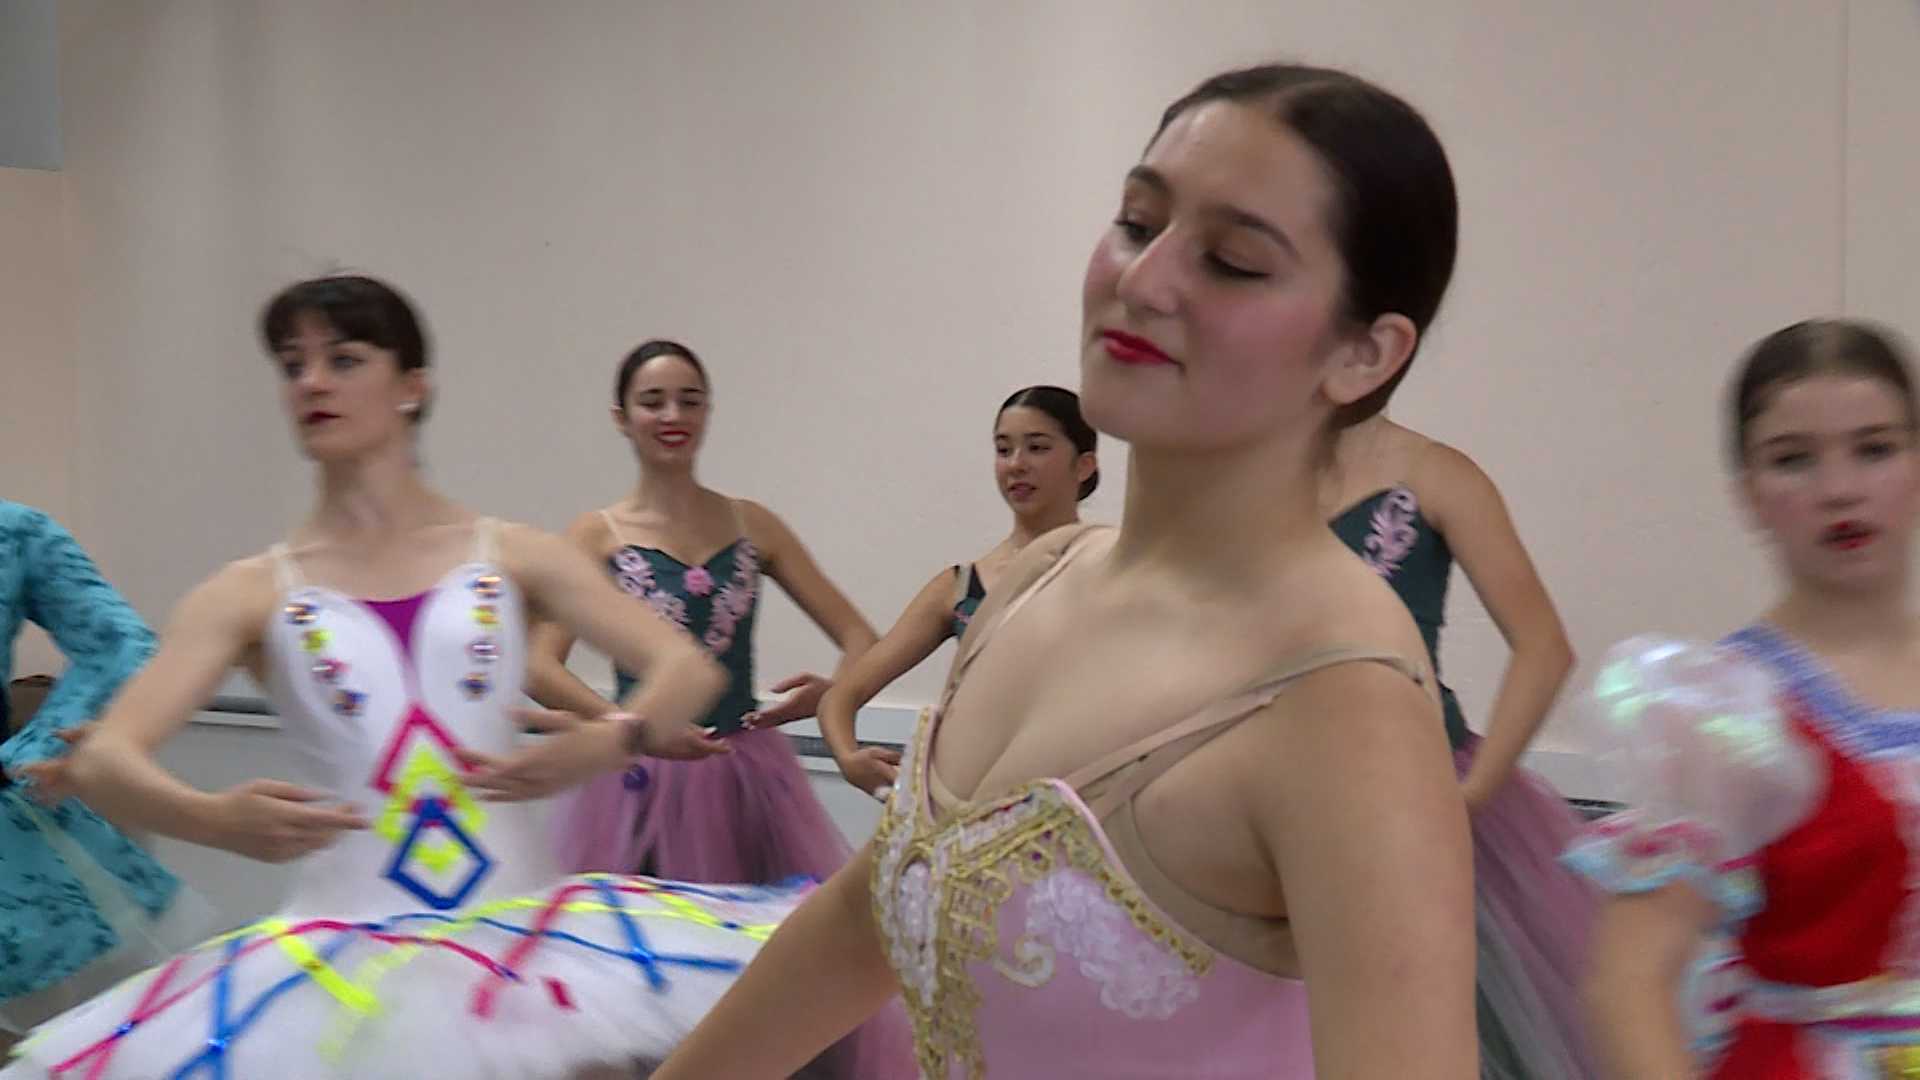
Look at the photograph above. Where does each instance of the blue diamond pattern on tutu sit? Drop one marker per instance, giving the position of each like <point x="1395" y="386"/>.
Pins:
<point x="433" y="815"/>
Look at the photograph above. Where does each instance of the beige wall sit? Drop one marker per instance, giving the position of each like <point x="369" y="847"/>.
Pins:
<point x="1883" y="162"/>
<point x="36" y="361"/>
<point x="36" y="396"/>
<point x="872" y="217"/>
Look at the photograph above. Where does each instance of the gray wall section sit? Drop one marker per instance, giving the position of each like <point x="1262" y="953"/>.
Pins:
<point x="29" y="85"/>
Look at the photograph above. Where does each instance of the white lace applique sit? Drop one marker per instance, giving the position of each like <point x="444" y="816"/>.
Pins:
<point x="905" y="900"/>
<point x="897" y="827"/>
<point x="910" y="938"/>
<point x="913" y="884"/>
<point x="906" y="785"/>
<point x="915" y="901"/>
<point x="972" y="835"/>
<point x="1072" y="914"/>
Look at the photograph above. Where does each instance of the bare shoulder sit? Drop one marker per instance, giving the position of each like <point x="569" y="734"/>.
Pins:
<point x="1405" y="445"/>
<point x="589" y="531"/>
<point x="1333" y="605"/>
<point x="241" y="596"/>
<point x="944" y="580"/>
<point x="768" y="530"/>
<point x="934" y="599"/>
<point x="1451" y="487"/>
<point x="1025" y="568"/>
<point x="768" y="533"/>
<point x="1443" y="463"/>
<point x="524" y="547"/>
<point x="1335" y="600"/>
<point x="250" y="577"/>
<point x="1045" y="549"/>
<point x="754" y="513"/>
<point x="1380" y="689"/>
<point x="1372" y="721"/>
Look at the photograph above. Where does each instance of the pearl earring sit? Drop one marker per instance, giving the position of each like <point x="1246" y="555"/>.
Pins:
<point x="409" y="406"/>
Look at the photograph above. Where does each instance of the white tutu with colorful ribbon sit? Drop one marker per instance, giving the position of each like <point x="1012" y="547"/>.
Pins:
<point x="599" y="970"/>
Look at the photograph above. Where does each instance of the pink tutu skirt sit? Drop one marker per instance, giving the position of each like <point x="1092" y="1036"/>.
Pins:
<point x="745" y="818"/>
<point x="1532" y="918"/>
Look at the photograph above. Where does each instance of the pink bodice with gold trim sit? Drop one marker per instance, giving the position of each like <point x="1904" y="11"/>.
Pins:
<point x="1025" y="949"/>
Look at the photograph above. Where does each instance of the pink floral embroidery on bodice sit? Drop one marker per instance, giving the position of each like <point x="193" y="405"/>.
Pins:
<point x="1392" y="532"/>
<point x="637" y="578"/>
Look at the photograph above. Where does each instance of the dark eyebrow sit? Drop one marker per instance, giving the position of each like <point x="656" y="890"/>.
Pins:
<point x="1248" y="220"/>
<point x="1858" y="433"/>
<point x="288" y="345"/>
<point x="1233" y="215"/>
<point x="1148" y="175"/>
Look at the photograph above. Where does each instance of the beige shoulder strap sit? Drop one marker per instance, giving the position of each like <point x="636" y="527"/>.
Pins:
<point x="286" y="573"/>
<point x="1065" y="544"/>
<point x="613" y="527"/>
<point x="1115" y="778"/>
<point x="486" y="541"/>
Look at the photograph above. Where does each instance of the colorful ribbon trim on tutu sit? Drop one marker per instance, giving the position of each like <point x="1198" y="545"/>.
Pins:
<point x="1899" y="1062"/>
<point x="356" y="993"/>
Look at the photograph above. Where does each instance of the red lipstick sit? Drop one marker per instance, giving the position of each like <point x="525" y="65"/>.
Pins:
<point x="1848" y="535"/>
<point x="1131" y="350"/>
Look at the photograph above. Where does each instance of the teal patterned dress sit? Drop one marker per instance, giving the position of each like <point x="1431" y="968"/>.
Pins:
<point x="50" y="925"/>
<point x="716" y="601"/>
<point x="1388" y="532"/>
